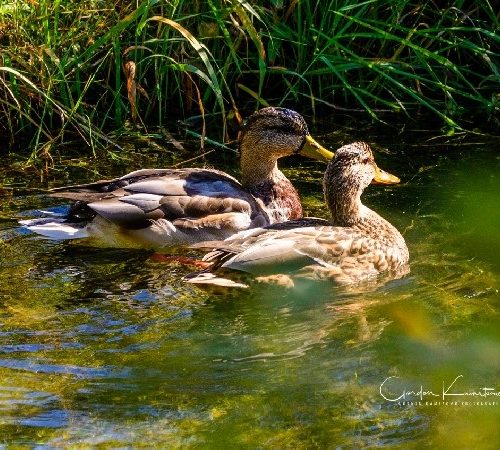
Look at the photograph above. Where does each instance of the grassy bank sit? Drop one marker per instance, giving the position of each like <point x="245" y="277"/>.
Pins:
<point x="77" y="69"/>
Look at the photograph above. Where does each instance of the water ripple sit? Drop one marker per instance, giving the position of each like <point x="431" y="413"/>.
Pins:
<point x="77" y="371"/>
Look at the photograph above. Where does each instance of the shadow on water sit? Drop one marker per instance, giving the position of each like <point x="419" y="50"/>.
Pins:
<point x="108" y="346"/>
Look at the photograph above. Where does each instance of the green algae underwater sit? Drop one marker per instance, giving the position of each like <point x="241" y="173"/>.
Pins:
<point x="108" y="347"/>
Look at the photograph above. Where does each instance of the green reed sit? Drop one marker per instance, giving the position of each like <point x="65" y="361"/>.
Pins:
<point x="63" y="64"/>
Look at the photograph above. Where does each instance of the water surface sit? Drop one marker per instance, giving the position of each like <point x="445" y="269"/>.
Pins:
<point x="110" y="347"/>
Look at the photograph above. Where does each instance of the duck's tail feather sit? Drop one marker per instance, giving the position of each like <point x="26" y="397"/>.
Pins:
<point x="55" y="228"/>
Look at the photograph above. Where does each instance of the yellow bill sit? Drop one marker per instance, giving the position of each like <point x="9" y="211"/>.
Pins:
<point x="316" y="151"/>
<point x="382" y="177"/>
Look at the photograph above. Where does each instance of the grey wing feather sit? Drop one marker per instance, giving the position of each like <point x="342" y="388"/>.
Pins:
<point x="266" y="250"/>
<point x="276" y="257"/>
<point x="261" y="250"/>
<point x="159" y="186"/>
<point x="121" y="213"/>
<point x="145" y="202"/>
<point x="136" y="198"/>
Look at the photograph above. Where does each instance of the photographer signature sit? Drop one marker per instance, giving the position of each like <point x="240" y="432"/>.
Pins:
<point x="389" y="395"/>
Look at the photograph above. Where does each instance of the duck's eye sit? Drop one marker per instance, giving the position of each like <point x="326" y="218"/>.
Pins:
<point x="365" y="160"/>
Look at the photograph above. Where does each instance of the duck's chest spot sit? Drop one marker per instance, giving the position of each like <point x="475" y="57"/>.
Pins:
<point x="281" y="200"/>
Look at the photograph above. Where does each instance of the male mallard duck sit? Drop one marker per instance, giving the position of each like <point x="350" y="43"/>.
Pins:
<point x="156" y="208"/>
<point x="358" y="245"/>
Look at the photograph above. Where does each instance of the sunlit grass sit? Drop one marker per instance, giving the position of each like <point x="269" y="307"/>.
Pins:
<point x="63" y="77"/>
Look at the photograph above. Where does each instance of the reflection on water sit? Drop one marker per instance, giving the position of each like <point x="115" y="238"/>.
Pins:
<point x="108" y="346"/>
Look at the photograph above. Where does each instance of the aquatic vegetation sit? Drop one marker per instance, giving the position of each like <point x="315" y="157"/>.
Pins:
<point x="75" y="70"/>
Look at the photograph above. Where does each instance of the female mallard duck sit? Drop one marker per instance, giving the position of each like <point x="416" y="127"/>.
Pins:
<point x="156" y="208"/>
<point x="358" y="245"/>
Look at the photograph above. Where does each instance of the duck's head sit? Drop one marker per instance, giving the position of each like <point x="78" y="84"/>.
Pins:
<point x="273" y="132"/>
<point x="354" y="164"/>
<point x="351" y="170"/>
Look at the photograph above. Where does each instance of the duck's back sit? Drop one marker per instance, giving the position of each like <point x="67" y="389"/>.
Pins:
<point x="157" y="207"/>
<point x="315" y="250"/>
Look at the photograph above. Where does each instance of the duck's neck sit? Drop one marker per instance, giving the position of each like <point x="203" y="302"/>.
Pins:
<point x="256" y="169"/>
<point x="344" y="202"/>
<point x="265" y="181"/>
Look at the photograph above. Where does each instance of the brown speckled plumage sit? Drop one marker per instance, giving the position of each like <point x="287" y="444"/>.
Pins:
<point x="359" y="245"/>
<point x="280" y="198"/>
<point x="345" y="179"/>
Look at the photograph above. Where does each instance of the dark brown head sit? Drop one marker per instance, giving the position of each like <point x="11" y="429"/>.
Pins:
<point x="279" y="132"/>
